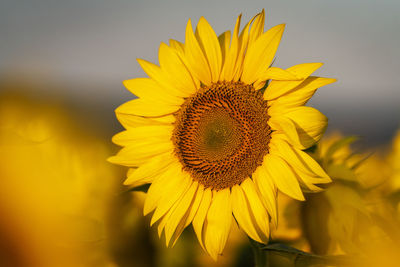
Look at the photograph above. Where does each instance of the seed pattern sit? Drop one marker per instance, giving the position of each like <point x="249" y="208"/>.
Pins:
<point x="221" y="134"/>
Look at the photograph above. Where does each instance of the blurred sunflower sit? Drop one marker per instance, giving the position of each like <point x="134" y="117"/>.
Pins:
<point x="341" y="219"/>
<point x="216" y="131"/>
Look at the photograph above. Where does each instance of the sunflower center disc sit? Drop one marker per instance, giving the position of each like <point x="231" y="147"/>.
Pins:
<point x="221" y="134"/>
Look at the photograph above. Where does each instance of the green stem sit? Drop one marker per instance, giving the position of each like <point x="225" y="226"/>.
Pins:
<point x="260" y="256"/>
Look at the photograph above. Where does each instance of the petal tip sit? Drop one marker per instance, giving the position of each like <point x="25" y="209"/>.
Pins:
<point x="189" y="24"/>
<point x="112" y="159"/>
<point x="119" y="110"/>
<point x="125" y="83"/>
<point x="127" y="182"/>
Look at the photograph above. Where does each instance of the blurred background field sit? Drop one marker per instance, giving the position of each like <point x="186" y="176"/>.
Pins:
<point x="62" y="64"/>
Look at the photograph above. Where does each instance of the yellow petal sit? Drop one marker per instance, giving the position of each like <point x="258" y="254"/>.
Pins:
<point x="149" y="170"/>
<point x="210" y="45"/>
<point x="274" y="73"/>
<point x="279" y="74"/>
<point x="267" y="188"/>
<point x="257" y="28"/>
<point x="260" y="216"/>
<point x="218" y="223"/>
<point x="300" y="94"/>
<point x="244" y="40"/>
<point x="132" y="121"/>
<point x="303" y="126"/>
<point x="170" y="196"/>
<point x="307" y="169"/>
<point x="195" y="57"/>
<point x="189" y="215"/>
<point x="278" y="88"/>
<point x="299" y="159"/>
<point x="136" y="154"/>
<point x="179" y="74"/>
<point x="177" y="46"/>
<point x="162" y="78"/>
<point x="179" y="213"/>
<point x="260" y="54"/>
<point x="304" y="70"/>
<point x="148" y="89"/>
<point x="162" y="223"/>
<point x="195" y="205"/>
<point x="242" y="213"/>
<point x="243" y="44"/>
<point x="150" y="133"/>
<point x="224" y="40"/>
<point x="310" y="124"/>
<point x="228" y="69"/>
<point x="140" y="107"/>
<point x="281" y="124"/>
<point x="199" y="218"/>
<point x="283" y="176"/>
<point x="169" y="185"/>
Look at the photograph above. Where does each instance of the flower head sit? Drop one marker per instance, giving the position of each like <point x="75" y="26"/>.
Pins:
<point x="343" y="217"/>
<point x="216" y="131"/>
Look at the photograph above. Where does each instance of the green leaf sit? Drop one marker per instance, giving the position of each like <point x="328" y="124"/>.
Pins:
<point x="311" y="149"/>
<point x="262" y="90"/>
<point x="300" y="258"/>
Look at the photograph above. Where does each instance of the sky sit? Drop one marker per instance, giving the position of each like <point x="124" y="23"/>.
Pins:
<point x="88" y="47"/>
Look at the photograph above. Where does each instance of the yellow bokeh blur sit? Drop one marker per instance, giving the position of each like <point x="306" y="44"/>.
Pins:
<point x="55" y="187"/>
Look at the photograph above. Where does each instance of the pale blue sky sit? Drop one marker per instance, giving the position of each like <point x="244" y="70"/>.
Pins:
<point x="91" y="46"/>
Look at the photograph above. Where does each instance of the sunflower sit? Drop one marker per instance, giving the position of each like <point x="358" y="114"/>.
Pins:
<point x="217" y="131"/>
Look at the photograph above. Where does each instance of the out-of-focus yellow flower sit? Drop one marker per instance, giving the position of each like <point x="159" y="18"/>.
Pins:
<point x="355" y="214"/>
<point x="381" y="239"/>
<point x="54" y="189"/>
<point x="217" y="131"/>
<point x="288" y="227"/>
<point x="332" y="219"/>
